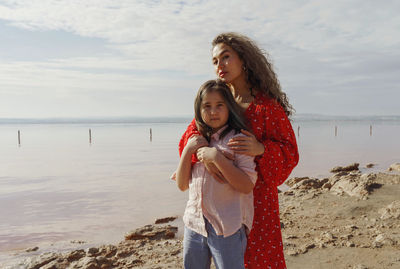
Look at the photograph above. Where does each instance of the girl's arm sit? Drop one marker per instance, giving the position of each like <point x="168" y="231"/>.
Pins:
<point x="235" y="176"/>
<point x="184" y="171"/>
<point x="192" y="130"/>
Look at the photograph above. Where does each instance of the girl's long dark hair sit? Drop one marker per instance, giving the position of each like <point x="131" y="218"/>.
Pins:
<point x="235" y="120"/>
<point x="257" y="65"/>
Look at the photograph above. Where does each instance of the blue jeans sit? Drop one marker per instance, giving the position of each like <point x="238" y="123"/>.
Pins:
<point x="227" y="252"/>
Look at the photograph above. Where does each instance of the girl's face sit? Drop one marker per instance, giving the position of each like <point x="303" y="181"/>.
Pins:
<point x="214" y="111"/>
<point x="227" y="63"/>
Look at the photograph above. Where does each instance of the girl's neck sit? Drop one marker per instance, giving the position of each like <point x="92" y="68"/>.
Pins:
<point x="215" y="130"/>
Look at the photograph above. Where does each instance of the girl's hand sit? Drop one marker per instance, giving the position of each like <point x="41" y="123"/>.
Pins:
<point x="195" y="142"/>
<point x="207" y="154"/>
<point x="247" y="144"/>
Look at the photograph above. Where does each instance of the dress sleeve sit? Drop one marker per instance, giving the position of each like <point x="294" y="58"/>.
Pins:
<point x="190" y="130"/>
<point x="281" y="154"/>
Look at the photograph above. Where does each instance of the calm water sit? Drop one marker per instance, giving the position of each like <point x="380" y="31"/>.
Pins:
<point x="56" y="187"/>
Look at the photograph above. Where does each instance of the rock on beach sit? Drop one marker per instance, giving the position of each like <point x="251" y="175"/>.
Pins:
<point x="151" y="246"/>
<point x="394" y="167"/>
<point x="351" y="167"/>
<point x="337" y="222"/>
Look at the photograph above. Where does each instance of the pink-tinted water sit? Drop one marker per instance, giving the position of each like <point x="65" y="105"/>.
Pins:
<point x="56" y="187"/>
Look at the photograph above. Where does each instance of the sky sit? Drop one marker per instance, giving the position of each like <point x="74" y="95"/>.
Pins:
<point x="122" y="58"/>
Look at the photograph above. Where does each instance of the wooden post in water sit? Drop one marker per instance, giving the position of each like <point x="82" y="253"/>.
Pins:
<point x="90" y="136"/>
<point x="335" y="130"/>
<point x="370" y="130"/>
<point x="298" y="131"/>
<point x="19" y="138"/>
<point x="151" y="135"/>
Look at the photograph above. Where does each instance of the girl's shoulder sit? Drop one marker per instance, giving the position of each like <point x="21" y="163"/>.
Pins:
<point x="224" y="140"/>
<point x="237" y="134"/>
<point x="231" y="134"/>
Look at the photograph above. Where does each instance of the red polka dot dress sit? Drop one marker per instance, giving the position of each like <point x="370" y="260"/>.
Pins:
<point x="271" y="126"/>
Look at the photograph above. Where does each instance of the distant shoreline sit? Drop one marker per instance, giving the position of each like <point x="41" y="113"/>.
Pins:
<point x="187" y="119"/>
<point x="95" y="120"/>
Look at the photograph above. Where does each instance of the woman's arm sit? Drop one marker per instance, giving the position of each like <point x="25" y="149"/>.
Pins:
<point x="236" y="177"/>
<point x="278" y="143"/>
<point x="281" y="154"/>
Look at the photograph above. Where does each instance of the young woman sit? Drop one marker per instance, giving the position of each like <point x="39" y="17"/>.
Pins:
<point x="241" y="64"/>
<point x="217" y="216"/>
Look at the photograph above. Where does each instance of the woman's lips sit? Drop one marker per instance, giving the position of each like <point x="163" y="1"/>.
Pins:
<point x="222" y="74"/>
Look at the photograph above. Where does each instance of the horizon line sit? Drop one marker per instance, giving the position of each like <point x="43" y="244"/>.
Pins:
<point x="182" y="116"/>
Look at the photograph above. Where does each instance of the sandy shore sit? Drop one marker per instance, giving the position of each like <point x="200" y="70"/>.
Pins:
<point x="349" y="220"/>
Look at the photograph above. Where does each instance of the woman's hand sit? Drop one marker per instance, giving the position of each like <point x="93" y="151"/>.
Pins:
<point x="247" y="144"/>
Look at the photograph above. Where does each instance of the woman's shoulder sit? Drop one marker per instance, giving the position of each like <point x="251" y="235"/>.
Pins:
<point x="264" y="103"/>
<point x="263" y="98"/>
<point x="265" y="106"/>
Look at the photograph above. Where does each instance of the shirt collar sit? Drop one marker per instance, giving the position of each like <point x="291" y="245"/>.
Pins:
<point x="216" y="135"/>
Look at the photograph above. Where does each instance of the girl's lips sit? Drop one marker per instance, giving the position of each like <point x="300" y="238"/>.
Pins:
<point x="222" y="74"/>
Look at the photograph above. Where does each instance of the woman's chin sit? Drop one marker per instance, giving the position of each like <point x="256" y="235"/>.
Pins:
<point x="223" y="79"/>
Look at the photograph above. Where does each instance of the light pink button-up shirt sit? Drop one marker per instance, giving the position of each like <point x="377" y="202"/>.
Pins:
<point x="224" y="207"/>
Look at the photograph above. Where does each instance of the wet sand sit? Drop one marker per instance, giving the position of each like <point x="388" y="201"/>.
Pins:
<point x="347" y="220"/>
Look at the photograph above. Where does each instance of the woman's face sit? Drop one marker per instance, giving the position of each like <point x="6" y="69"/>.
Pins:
<point x="227" y="64"/>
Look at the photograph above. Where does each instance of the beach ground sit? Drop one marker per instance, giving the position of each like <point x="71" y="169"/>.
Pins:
<point x="349" y="220"/>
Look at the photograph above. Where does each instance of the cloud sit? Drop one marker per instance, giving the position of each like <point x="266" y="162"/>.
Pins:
<point x="320" y="48"/>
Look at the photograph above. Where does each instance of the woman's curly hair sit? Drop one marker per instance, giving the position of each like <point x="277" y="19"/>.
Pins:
<point x="259" y="70"/>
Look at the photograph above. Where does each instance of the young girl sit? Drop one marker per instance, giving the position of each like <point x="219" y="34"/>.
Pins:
<point x="217" y="216"/>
